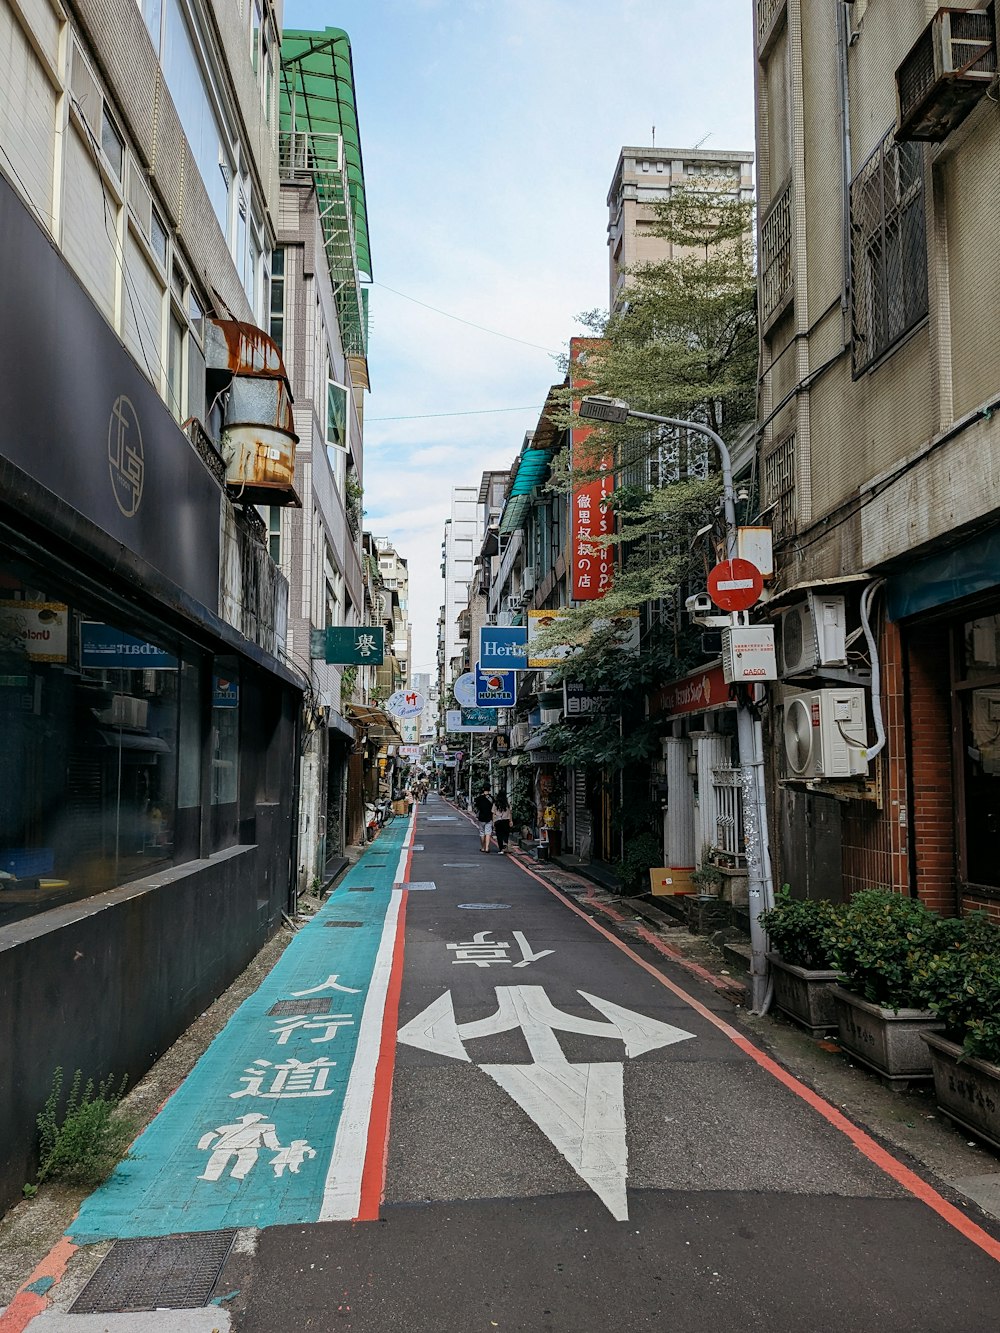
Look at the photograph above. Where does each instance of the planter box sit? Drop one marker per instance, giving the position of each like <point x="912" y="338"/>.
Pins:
<point x="887" y="1042"/>
<point x="967" y="1092"/>
<point x="705" y="913"/>
<point x="804" y="995"/>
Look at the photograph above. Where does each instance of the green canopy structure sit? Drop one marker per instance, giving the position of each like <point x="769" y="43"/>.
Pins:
<point x="320" y="138"/>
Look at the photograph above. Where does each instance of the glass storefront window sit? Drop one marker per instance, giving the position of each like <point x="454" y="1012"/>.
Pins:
<point x="225" y="731"/>
<point x="95" y="728"/>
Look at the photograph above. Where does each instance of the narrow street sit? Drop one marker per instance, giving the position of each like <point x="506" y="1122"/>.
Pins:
<point x="577" y="1138"/>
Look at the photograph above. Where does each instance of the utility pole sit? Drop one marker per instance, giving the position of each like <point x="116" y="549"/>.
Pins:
<point x="749" y="732"/>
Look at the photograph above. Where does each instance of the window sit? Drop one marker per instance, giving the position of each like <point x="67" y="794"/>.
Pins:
<point x="977" y="704"/>
<point x="277" y="312"/>
<point x="274" y="533"/>
<point x="158" y="238"/>
<point x="175" y="366"/>
<point x="888" y="249"/>
<point x="336" y="415"/>
<point x="113" y="145"/>
<point x="99" y="735"/>
<point x="191" y="90"/>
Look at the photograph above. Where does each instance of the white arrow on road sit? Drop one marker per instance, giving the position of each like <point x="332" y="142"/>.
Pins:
<point x="580" y="1108"/>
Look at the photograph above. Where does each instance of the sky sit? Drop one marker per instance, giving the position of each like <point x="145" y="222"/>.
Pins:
<point x="490" y="130"/>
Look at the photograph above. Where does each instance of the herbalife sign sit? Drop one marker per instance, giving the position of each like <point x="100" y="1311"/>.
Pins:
<point x="503" y="647"/>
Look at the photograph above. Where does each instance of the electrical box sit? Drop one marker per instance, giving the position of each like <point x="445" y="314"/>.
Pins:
<point x="748" y="653"/>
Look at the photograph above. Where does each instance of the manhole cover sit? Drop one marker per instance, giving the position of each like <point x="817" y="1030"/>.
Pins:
<point x="301" y="1007"/>
<point x="484" y="907"/>
<point x="346" y="924"/>
<point x="417" y="884"/>
<point x="172" y="1273"/>
<point x="376" y="865"/>
<point x="362" y="888"/>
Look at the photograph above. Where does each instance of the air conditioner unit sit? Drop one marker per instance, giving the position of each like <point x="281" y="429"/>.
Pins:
<point x="826" y="734"/>
<point x="528" y="578"/>
<point x="812" y="634"/>
<point x="945" y="74"/>
<point x="512" y="603"/>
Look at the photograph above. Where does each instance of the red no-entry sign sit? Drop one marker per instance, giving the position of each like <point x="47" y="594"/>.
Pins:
<point x="734" y="585"/>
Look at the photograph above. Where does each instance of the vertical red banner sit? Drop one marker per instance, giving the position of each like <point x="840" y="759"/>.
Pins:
<point x="592" y="562"/>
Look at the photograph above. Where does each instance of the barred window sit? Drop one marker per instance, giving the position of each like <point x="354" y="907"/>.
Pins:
<point x="888" y="249"/>
<point x="779" y="486"/>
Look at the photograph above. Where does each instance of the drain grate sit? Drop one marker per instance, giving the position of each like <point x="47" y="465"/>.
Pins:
<point x="301" y="1007"/>
<point x="362" y="888"/>
<point x="484" y="907"/>
<point x="169" y="1273"/>
<point x="417" y="847"/>
<point x="331" y="924"/>
<point x="417" y="885"/>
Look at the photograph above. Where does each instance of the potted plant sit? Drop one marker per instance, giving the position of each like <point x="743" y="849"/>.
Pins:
<point x="880" y="944"/>
<point x="961" y="985"/>
<point x="801" y="971"/>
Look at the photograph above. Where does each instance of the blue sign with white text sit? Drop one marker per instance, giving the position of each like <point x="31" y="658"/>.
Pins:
<point x="495" y="689"/>
<point x="503" y="647"/>
<point x="108" y="648"/>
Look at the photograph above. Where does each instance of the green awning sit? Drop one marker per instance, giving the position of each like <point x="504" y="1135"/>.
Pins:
<point x="530" y="471"/>
<point x="317" y="109"/>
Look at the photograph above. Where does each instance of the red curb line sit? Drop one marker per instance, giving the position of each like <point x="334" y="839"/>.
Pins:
<point x="865" y="1144"/>
<point x="27" y="1303"/>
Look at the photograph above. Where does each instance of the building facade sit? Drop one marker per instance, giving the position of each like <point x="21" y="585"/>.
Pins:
<point x="644" y="176"/>
<point x="318" y="316"/>
<point x="879" y="273"/>
<point x="150" y="715"/>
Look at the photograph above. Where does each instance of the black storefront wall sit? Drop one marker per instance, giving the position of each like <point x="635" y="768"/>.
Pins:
<point x="143" y="959"/>
<point x="79" y="417"/>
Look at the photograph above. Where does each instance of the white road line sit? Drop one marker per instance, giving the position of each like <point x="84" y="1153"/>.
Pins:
<point x="342" y="1191"/>
<point x="404" y="851"/>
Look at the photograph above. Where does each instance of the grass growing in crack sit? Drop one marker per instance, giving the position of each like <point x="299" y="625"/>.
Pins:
<point x="83" y="1145"/>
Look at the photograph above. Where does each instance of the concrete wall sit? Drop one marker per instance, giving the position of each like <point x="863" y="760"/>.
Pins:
<point x="108" y="984"/>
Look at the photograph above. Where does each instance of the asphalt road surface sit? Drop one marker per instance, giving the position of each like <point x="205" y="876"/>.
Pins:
<point x="577" y="1140"/>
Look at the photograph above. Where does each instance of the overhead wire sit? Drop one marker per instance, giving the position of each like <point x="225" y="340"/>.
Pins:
<point x="468" y="322"/>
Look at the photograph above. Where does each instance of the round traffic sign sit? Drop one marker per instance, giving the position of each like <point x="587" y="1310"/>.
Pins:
<point x="734" y="585"/>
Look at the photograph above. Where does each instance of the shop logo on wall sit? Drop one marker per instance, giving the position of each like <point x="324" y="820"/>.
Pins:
<point x="125" y="458"/>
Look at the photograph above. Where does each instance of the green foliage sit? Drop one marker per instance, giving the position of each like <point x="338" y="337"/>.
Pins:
<point x="707" y="878"/>
<point x="522" y="799"/>
<point x="960" y="982"/>
<point x="799" y="928"/>
<point x="85" y="1143"/>
<point x="348" y="682"/>
<point x="642" y="851"/>
<point x="882" y="943"/>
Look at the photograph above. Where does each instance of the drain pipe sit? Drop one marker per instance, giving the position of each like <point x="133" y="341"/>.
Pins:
<point x="843" y="41"/>
<point x="867" y="598"/>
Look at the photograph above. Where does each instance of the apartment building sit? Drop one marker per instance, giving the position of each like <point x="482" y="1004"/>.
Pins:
<point x="318" y="317"/>
<point x="458" y="553"/>
<point x="645" y="176"/>
<point x="150" y="716"/>
<point x="878" y="154"/>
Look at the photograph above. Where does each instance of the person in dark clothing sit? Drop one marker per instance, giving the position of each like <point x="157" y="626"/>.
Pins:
<point x="501" y="821"/>
<point x="484" y="818"/>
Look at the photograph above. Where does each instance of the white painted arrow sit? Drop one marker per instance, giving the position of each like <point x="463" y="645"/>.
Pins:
<point x="581" y="1111"/>
<point x="580" y="1108"/>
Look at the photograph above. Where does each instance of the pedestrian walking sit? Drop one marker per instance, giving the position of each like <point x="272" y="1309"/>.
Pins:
<point x="484" y="818"/>
<point x="501" y="821"/>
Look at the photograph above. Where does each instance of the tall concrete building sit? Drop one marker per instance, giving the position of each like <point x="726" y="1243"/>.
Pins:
<point x="458" y="550"/>
<point x="645" y="175"/>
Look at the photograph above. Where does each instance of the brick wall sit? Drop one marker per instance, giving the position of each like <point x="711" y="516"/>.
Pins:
<point x="933" y="802"/>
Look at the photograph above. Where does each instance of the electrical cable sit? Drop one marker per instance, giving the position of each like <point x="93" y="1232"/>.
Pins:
<point x="468" y="322"/>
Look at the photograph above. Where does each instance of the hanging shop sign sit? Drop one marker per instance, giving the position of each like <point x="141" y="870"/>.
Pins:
<point x="465" y="690"/>
<point x="624" y="629"/>
<point x="696" y="693"/>
<point x="503" y="647"/>
<point x="405" y="703"/>
<point x="495" y="689"/>
<point x="583" y="701"/>
<point x="355" y="645"/>
<point x="106" y="648"/>
<point x="592" y="562"/>
<point x="464" y="720"/>
<point x="39" y="629"/>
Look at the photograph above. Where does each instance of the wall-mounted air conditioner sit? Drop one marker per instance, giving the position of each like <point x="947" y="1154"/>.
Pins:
<point x="812" y="634"/>
<point x="826" y="734"/>
<point x="947" y="71"/>
<point x="528" y="578"/>
<point x="512" y="603"/>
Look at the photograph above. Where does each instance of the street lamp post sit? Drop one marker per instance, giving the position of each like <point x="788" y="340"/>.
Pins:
<point x="749" y="731"/>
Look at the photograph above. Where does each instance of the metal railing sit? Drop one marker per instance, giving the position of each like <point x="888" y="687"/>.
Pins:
<point x="727" y="784"/>
<point x="776" y="253"/>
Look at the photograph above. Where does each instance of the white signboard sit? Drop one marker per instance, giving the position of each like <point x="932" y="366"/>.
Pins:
<point x="405" y="703"/>
<point x="748" y="653"/>
<point x="465" y="690"/>
<point x="40" y="629"/>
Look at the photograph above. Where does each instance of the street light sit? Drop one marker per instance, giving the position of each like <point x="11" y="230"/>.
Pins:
<point x="614" y="411"/>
